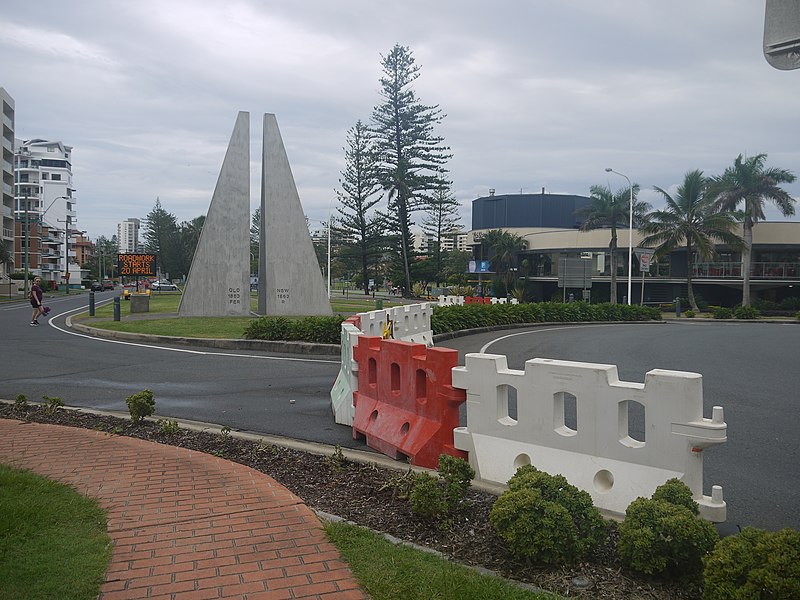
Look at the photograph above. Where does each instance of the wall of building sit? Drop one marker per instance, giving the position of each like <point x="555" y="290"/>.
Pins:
<point x="7" y="168"/>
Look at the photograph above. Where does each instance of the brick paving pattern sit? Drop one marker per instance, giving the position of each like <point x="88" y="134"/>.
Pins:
<point x="186" y="525"/>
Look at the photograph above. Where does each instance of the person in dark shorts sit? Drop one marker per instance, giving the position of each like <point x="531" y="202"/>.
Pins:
<point x="37" y="295"/>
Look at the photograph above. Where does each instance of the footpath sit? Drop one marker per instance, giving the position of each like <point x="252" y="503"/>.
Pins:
<point x="186" y="525"/>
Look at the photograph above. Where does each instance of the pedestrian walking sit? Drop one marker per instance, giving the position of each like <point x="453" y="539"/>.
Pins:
<point x="36" y="297"/>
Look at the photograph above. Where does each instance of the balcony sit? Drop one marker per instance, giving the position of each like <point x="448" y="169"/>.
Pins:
<point x="758" y="270"/>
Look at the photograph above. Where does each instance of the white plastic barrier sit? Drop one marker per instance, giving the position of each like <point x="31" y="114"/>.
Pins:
<point x="409" y="322"/>
<point x="347" y="380"/>
<point x="600" y="454"/>
<point x="451" y="300"/>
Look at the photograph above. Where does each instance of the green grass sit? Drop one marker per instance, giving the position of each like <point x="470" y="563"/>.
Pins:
<point x="391" y="572"/>
<point x="199" y="327"/>
<point x="53" y="541"/>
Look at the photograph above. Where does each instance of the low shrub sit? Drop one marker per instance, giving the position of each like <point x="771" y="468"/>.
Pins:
<point x="455" y="318"/>
<point x="433" y="497"/>
<point x="53" y="403"/>
<point x="754" y="564"/>
<point x="722" y="313"/>
<point x="659" y="537"/>
<point x="21" y="402"/>
<point x="140" y="405"/>
<point x="791" y="303"/>
<point x="319" y="330"/>
<point x="167" y="427"/>
<point x="427" y="497"/>
<point x="545" y="519"/>
<point x="689" y="314"/>
<point x="746" y="312"/>
<point x="676" y="492"/>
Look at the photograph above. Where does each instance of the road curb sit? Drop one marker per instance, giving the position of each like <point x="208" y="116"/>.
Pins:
<point x="281" y="347"/>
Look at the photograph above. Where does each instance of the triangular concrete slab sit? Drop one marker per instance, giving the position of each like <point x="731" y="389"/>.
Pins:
<point x="219" y="278"/>
<point x="290" y="281"/>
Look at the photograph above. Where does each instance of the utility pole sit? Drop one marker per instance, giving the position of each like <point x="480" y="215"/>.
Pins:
<point x="66" y="244"/>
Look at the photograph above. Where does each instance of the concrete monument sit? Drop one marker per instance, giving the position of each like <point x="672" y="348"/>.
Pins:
<point x="290" y="281"/>
<point x="219" y="278"/>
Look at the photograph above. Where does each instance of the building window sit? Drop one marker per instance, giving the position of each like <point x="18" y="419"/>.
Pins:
<point x="56" y="177"/>
<point x="45" y="175"/>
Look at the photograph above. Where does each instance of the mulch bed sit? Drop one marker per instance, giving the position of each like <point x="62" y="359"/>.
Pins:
<point x="375" y="497"/>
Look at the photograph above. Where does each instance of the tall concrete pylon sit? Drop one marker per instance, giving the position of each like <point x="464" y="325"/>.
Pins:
<point x="290" y="281"/>
<point x="219" y="278"/>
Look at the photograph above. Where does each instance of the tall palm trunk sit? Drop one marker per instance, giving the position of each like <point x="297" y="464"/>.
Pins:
<point x="689" y="269"/>
<point x="613" y="247"/>
<point x="746" y="258"/>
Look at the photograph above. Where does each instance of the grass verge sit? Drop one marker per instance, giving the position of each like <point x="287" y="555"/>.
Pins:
<point x="197" y="327"/>
<point x="388" y="571"/>
<point x="53" y="541"/>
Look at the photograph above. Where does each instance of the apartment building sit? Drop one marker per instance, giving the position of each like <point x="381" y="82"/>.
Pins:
<point x="424" y="243"/>
<point x="45" y="211"/>
<point x="128" y="236"/>
<point x="7" y="166"/>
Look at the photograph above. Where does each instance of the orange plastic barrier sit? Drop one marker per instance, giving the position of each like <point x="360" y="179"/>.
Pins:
<point x="354" y="320"/>
<point x="405" y="405"/>
<point x="477" y="300"/>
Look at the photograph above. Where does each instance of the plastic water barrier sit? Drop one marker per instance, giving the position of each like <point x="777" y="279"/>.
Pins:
<point x="615" y="439"/>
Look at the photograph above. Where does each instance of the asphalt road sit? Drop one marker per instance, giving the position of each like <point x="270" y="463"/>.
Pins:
<point x="252" y="391"/>
<point x="752" y="370"/>
<point x="749" y="369"/>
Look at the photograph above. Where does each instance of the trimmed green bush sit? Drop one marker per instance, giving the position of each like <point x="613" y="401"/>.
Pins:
<point x="663" y="536"/>
<point x="140" y="405"/>
<point x="319" y="330"/>
<point x="470" y="316"/>
<point x="722" y="313"/>
<point x="676" y="492"/>
<point x="754" y="564"/>
<point x="689" y="314"/>
<point x="746" y="312"/>
<point x="545" y="519"/>
<point x="433" y="497"/>
<point x="427" y="497"/>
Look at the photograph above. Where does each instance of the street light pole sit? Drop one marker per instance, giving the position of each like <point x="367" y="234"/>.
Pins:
<point x="630" y="230"/>
<point x="329" y="256"/>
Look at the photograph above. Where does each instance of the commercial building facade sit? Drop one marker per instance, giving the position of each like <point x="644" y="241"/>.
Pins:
<point x="551" y="230"/>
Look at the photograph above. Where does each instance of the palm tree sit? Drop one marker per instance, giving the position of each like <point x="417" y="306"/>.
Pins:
<point x="750" y="183"/>
<point x="504" y="247"/>
<point x="690" y="220"/>
<point x="609" y="209"/>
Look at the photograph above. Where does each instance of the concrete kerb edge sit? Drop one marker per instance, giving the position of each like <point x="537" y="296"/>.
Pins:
<point x="222" y="344"/>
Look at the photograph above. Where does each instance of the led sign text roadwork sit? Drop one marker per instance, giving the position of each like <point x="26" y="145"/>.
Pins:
<point x="137" y="264"/>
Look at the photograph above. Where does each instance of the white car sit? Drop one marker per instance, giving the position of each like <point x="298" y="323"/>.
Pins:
<point x="163" y="286"/>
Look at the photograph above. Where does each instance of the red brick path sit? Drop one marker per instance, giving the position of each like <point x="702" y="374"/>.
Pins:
<point x="186" y="525"/>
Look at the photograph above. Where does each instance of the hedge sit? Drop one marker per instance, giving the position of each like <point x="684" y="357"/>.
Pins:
<point x="446" y="319"/>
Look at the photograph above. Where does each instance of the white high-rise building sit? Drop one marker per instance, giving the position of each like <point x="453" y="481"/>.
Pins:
<point x="128" y="236"/>
<point x="45" y="208"/>
<point x="7" y="167"/>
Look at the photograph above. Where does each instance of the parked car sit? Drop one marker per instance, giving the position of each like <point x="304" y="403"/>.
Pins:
<point x="96" y="286"/>
<point x="163" y="286"/>
<point x="108" y="284"/>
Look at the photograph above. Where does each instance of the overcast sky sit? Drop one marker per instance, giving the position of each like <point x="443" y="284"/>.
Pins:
<point x="537" y="93"/>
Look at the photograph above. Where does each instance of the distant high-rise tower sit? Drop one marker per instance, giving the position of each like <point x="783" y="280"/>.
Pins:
<point x="128" y="236"/>
<point x="45" y="208"/>
<point x="7" y="232"/>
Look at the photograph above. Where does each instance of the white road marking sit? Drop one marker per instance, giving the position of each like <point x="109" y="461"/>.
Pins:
<point x="51" y="322"/>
